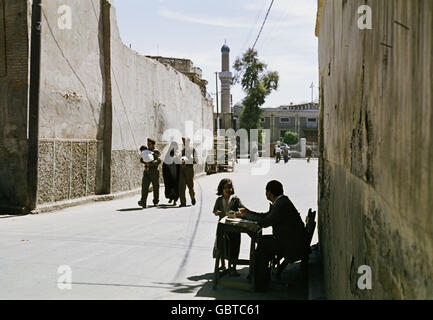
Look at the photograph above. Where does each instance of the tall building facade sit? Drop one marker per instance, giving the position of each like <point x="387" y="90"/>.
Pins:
<point x="302" y="119"/>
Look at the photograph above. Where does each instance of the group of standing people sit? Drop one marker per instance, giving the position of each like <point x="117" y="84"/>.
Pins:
<point x="177" y="171"/>
<point x="282" y="151"/>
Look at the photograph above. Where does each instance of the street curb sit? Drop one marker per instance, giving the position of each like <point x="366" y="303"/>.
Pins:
<point x="80" y="201"/>
<point x="46" y="208"/>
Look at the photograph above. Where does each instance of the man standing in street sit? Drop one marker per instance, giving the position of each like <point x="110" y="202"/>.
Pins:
<point x="150" y="175"/>
<point x="285" y="151"/>
<point x="186" y="174"/>
<point x="277" y="153"/>
<point x="308" y="154"/>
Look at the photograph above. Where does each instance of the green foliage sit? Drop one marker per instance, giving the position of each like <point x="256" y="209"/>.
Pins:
<point x="290" y="138"/>
<point x="257" y="84"/>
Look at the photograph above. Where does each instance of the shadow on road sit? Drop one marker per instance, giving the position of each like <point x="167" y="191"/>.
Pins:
<point x="116" y="285"/>
<point x="130" y="209"/>
<point x="160" y="206"/>
<point x="170" y="206"/>
<point x="9" y="216"/>
<point x="291" y="286"/>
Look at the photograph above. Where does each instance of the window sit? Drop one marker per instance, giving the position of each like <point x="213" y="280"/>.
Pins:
<point x="284" y="120"/>
<point x="282" y="133"/>
<point x="312" y="123"/>
<point x="263" y="120"/>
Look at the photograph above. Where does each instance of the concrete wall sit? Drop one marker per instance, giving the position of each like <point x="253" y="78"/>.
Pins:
<point x="104" y="78"/>
<point x="71" y="102"/>
<point x="148" y="99"/>
<point x="376" y="145"/>
<point x="14" y="88"/>
<point x="99" y="101"/>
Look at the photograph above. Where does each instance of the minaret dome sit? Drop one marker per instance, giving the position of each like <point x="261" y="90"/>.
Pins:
<point x="225" y="49"/>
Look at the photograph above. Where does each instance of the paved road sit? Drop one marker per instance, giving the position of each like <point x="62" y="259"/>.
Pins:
<point x="114" y="250"/>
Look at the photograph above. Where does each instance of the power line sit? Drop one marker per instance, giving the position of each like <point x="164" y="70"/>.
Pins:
<point x="261" y="29"/>
<point x="275" y="27"/>
<point x="251" y="30"/>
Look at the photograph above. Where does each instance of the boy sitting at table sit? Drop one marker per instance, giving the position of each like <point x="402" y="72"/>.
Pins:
<point x="227" y="204"/>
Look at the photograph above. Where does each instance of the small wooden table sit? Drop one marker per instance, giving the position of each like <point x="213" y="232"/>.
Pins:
<point x="237" y="225"/>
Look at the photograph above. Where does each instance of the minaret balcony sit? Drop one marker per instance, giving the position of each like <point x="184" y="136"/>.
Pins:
<point x="226" y="76"/>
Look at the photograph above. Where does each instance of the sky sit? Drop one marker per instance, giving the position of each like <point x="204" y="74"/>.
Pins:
<point x="197" y="29"/>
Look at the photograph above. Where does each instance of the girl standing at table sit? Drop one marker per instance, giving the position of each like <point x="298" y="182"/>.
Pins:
<point x="227" y="202"/>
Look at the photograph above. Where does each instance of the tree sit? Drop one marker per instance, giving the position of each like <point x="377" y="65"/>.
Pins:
<point x="290" y="138"/>
<point x="257" y="83"/>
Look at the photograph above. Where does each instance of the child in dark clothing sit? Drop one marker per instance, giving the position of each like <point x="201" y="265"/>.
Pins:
<point x="226" y="205"/>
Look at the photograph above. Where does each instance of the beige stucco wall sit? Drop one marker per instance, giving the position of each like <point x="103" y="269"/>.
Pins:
<point x="71" y="99"/>
<point x="376" y="134"/>
<point x="144" y="96"/>
<point x="148" y="99"/>
<point x="71" y="72"/>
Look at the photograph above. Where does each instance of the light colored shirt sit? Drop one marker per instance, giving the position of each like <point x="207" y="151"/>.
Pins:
<point x="147" y="156"/>
<point x="226" y="204"/>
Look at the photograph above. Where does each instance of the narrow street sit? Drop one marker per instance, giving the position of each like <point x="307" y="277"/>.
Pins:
<point x="94" y="92"/>
<point x="115" y="250"/>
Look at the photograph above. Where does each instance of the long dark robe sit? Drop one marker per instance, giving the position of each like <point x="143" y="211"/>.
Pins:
<point x="171" y="181"/>
<point x="232" y="240"/>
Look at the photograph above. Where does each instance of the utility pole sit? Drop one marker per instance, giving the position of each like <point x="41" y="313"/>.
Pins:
<point x="218" y="115"/>
<point x="312" y="92"/>
<point x="231" y="110"/>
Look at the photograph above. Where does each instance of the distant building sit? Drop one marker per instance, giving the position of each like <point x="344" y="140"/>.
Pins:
<point x="186" y="67"/>
<point x="302" y="119"/>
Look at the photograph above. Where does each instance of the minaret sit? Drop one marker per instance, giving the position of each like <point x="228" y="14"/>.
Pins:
<point x="226" y="80"/>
